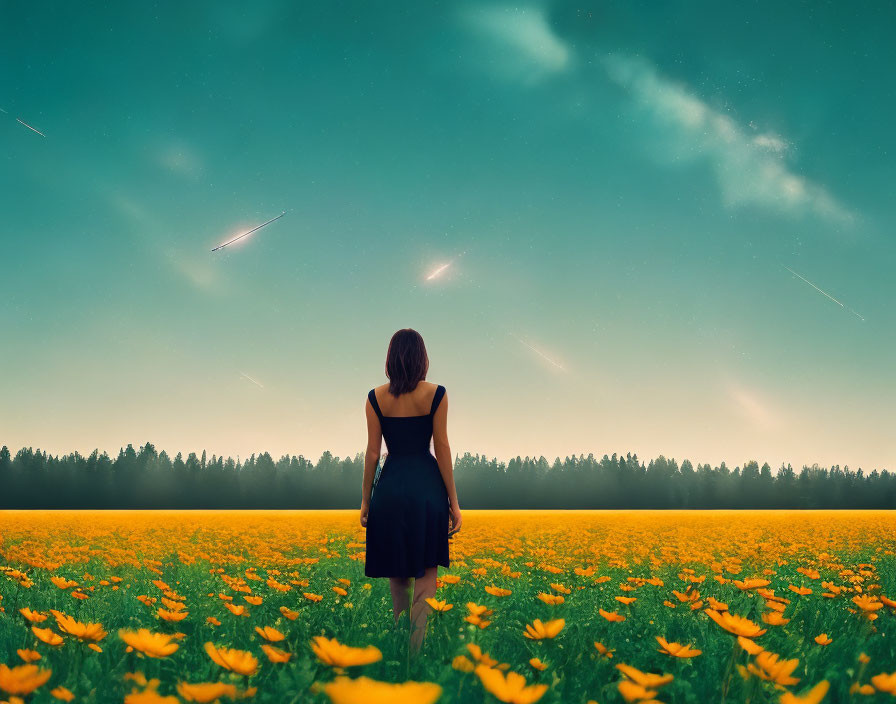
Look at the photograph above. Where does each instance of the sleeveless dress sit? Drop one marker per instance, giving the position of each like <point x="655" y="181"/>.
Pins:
<point x="407" y="520"/>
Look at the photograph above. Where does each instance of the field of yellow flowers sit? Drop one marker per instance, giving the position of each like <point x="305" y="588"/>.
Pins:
<point x="537" y="606"/>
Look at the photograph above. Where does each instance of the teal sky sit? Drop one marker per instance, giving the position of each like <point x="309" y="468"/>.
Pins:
<point x="621" y="195"/>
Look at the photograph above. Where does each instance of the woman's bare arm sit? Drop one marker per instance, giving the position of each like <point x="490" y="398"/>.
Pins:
<point x="372" y="455"/>
<point x="443" y="449"/>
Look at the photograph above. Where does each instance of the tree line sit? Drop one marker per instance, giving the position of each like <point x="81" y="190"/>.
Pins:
<point x="148" y="479"/>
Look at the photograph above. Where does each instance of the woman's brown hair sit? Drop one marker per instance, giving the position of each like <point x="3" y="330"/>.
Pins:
<point x="406" y="361"/>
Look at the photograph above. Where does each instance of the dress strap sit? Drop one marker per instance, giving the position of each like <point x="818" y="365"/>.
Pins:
<point x="375" y="404"/>
<point x="440" y="391"/>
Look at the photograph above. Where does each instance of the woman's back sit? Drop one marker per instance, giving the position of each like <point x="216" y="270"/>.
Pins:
<point x="407" y="420"/>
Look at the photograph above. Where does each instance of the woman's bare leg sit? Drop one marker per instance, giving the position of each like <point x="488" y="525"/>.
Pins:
<point x="424" y="588"/>
<point x="401" y="596"/>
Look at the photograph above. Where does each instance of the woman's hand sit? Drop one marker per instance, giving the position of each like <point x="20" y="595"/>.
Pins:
<point x="454" y="520"/>
<point x="365" y="507"/>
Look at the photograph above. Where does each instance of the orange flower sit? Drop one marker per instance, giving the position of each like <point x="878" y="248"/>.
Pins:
<point x="206" y="691"/>
<point x="235" y="610"/>
<point x="738" y="625"/>
<point x="154" y="645"/>
<point x="47" y="636"/>
<point x="271" y="635"/>
<point x="511" y="687"/>
<point x="275" y="654"/>
<point x="254" y="600"/>
<point x="539" y="630"/>
<point x="311" y="596"/>
<point x="677" y="649"/>
<point x="28" y="655"/>
<point x="62" y="694"/>
<point x="497" y="591"/>
<point x="240" y="661"/>
<point x="212" y="621"/>
<point x="33" y="616"/>
<point x="626" y="599"/>
<point x="611" y="615"/>
<point x="289" y="613"/>
<point x="84" y="631"/>
<point x="537" y="664"/>
<point x="645" y="679"/>
<point x="22" y="679"/>
<point x="772" y="668"/>
<point x="603" y="650"/>
<point x="823" y="639"/>
<point x="462" y="663"/>
<point x="552" y="599"/>
<point x="439" y="605"/>
<point x="344" y="690"/>
<point x="813" y="696"/>
<point x="331" y="652"/>
<point x="172" y="615"/>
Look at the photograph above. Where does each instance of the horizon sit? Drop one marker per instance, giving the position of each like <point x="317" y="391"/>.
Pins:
<point x="614" y="226"/>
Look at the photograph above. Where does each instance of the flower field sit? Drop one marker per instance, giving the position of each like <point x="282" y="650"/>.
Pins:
<point x="537" y="606"/>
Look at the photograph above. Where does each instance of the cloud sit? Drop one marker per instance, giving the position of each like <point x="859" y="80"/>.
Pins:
<point x="535" y="51"/>
<point x="178" y="158"/>
<point x="749" y="168"/>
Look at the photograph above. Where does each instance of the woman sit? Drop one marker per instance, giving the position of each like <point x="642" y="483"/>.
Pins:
<point x="407" y="516"/>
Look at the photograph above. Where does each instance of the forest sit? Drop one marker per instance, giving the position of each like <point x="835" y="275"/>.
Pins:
<point x="146" y="479"/>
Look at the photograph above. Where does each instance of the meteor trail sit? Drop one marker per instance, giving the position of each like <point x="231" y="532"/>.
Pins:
<point x="239" y="237"/>
<point x="30" y="127"/>
<point x="824" y="292"/>
<point x="252" y="380"/>
<point x="438" y="271"/>
<point x="442" y="268"/>
<point x="540" y="353"/>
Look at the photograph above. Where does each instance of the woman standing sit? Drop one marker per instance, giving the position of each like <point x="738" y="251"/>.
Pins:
<point x="407" y="515"/>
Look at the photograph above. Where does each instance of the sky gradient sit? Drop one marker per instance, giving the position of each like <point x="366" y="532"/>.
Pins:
<point x="622" y="195"/>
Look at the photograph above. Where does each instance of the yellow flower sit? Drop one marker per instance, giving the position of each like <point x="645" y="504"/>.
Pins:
<point x="206" y="691"/>
<point x="275" y="654"/>
<point x="510" y="687"/>
<point x="240" y="661"/>
<point x="271" y="635"/>
<point x="813" y="696"/>
<point x="332" y="652"/>
<point x="364" y="690"/>
<point x="677" y="649"/>
<point x="22" y="679"/>
<point x="154" y="645"/>
<point x="439" y="605"/>
<point x="538" y="630"/>
<point x="750" y="646"/>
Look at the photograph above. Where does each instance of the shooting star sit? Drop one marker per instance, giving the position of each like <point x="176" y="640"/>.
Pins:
<point x="251" y="379"/>
<point x="540" y="353"/>
<point x="239" y="237"/>
<point x="824" y="293"/>
<point x="30" y="127"/>
<point x="435" y="273"/>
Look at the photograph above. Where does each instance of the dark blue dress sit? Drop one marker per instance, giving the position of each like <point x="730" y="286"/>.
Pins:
<point x="407" y="521"/>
